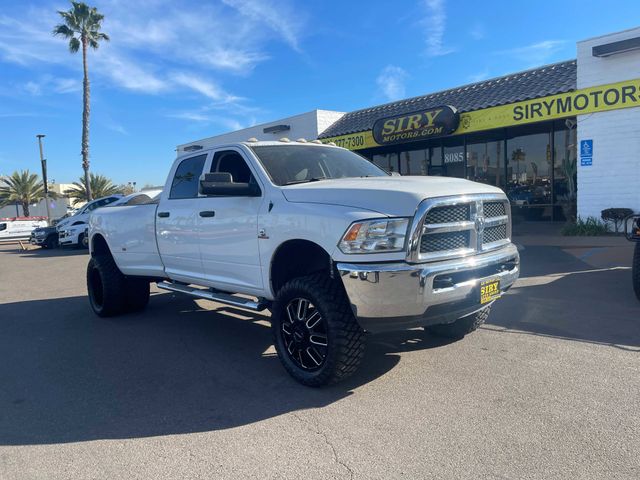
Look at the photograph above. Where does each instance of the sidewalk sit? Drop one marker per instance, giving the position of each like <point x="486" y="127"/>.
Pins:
<point x="600" y="252"/>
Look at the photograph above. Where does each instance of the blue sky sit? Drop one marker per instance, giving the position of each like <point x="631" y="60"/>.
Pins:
<point x="178" y="70"/>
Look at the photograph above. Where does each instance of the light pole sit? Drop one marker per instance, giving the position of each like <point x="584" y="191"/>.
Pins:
<point x="43" y="161"/>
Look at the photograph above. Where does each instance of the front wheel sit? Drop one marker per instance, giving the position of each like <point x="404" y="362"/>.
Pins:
<point x="462" y="326"/>
<point x="315" y="333"/>
<point x="83" y="241"/>
<point x="635" y="271"/>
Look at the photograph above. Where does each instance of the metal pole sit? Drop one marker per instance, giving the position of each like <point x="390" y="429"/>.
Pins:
<point x="43" y="161"/>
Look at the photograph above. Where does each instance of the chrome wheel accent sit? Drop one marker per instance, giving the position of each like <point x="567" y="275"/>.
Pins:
<point x="304" y="333"/>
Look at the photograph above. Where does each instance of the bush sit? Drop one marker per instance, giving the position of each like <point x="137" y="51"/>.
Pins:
<point x="590" y="227"/>
<point x="615" y="215"/>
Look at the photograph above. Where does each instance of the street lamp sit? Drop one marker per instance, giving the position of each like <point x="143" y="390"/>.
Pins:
<point x="43" y="161"/>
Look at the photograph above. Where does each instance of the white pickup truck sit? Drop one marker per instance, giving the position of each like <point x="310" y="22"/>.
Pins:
<point x="331" y="244"/>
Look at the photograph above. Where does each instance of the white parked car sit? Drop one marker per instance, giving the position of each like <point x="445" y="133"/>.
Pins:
<point x="18" y="228"/>
<point x="330" y="243"/>
<point x="72" y="230"/>
<point x="138" y="198"/>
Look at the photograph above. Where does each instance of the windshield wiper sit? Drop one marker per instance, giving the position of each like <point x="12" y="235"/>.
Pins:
<point x="306" y="180"/>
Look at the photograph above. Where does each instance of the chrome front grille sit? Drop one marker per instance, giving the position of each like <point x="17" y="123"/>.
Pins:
<point x="449" y="214"/>
<point x="450" y="227"/>
<point x="494" y="234"/>
<point x="494" y="209"/>
<point x="444" y="241"/>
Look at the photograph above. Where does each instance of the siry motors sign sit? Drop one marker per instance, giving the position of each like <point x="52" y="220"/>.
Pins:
<point x="435" y="122"/>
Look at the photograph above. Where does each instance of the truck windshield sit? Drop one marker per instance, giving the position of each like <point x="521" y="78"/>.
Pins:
<point x="290" y="164"/>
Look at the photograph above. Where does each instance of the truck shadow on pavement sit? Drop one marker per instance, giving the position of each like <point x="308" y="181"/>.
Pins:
<point x="558" y="295"/>
<point x="69" y="376"/>
<point x="48" y="252"/>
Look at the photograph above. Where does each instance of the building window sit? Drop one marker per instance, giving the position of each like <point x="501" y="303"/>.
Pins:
<point x="386" y="161"/>
<point x="453" y="161"/>
<point x="414" y="162"/>
<point x="529" y="175"/>
<point x="485" y="162"/>
<point x="564" y="173"/>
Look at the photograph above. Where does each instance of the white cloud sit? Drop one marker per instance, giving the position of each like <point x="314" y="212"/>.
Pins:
<point x="154" y="38"/>
<point x="391" y="82"/>
<point x="47" y="84"/>
<point x="479" y="76"/>
<point x="434" y="23"/>
<point x="536" y="53"/>
<point x="478" y="31"/>
<point x="191" y="116"/>
<point x="206" y="88"/>
<point x="116" y="127"/>
<point x="284" y="19"/>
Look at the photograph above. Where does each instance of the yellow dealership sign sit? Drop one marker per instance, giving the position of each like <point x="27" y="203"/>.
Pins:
<point x="587" y="100"/>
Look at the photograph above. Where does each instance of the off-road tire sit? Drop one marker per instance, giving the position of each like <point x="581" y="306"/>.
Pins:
<point x="635" y="270"/>
<point x="345" y="339"/>
<point x="462" y="326"/>
<point x="137" y="294"/>
<point x="106" y="286"/>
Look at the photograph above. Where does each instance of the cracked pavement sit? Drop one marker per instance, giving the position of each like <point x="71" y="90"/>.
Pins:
<point x="190" y="389"/>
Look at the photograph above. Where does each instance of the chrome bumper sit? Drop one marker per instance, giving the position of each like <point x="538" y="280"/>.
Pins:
<point x="394" y="296"/>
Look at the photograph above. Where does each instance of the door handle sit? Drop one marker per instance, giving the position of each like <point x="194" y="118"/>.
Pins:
<point x="163" y="214"/>
<point x="207" y="213"/>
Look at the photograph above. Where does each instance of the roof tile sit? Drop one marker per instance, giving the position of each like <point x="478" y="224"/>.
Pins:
<point x="515" y="87"/>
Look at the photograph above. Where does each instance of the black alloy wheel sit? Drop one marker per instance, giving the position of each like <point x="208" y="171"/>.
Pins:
<point x="304" y="332"/>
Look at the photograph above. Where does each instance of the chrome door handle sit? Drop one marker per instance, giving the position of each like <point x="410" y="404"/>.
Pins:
<point x="207" y="213"/>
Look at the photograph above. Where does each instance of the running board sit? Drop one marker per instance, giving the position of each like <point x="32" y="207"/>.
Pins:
<point x="220" y="297"/>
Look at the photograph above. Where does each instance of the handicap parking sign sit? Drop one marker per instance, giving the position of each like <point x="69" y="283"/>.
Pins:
<point x="586" y="148"/>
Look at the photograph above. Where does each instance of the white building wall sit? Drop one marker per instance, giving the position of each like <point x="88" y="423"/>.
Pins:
<point x="306" y="125"/>
<point x="614" y="178"/>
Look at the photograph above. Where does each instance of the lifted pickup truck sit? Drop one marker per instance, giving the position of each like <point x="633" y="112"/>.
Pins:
<point x="331" y="244"/>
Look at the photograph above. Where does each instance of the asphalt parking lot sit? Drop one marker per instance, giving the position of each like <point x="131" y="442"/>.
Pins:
<point x="547" y="389"/>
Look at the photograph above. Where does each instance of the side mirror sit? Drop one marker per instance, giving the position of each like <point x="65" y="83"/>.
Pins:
<point x="222" y="185"/>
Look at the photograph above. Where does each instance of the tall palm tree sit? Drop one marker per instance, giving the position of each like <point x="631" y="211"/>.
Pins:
<point x="21" y="187"/>
<point x="82" y="27"/>
<point x="99" y="185"/>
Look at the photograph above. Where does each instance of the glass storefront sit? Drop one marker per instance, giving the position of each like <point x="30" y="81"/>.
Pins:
<point x="535" y="164"/>
<point x="529" y="173"/>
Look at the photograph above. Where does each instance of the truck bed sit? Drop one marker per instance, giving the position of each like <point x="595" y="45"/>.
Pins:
<point x="130" y="231"/>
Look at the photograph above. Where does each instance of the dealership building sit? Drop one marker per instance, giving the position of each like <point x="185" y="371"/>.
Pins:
<point x="548" y="136"/>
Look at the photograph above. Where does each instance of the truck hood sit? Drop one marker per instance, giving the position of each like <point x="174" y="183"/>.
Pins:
<point x="393" y="196"/>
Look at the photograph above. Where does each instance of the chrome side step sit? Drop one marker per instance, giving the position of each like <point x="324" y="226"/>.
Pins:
<point x="214" y="295"/>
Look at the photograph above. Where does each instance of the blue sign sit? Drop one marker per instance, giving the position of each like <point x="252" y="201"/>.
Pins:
<point x="586" y="161"/>
<point x="586" y="148"/>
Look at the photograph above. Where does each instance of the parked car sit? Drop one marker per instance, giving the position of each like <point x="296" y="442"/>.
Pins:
<point x="330" y="243"/>
<point x="632" y="232"/>
<point x="138" y="198"/>
<point x="45" y="237"/>
<point x="19" y="228"/>
<point x="72" y="230"/>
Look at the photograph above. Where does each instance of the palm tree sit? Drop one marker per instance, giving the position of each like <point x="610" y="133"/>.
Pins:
<point x="22" y="187"/>
<point x="82" y="27"/>
<point x="100" y="185"/>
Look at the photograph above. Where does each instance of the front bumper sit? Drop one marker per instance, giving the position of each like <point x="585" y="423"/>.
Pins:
<point x="37" y="240"/>
<point x="396" y="296"/>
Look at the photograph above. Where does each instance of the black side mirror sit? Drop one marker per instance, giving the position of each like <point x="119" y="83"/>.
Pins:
<point x="222" y="185"/>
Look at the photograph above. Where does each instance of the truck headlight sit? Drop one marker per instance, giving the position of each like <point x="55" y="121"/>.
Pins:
<point x="375" y="236"/>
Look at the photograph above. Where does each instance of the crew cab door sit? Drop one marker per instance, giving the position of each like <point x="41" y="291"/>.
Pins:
<point x="177" y="221"/>
<point x="229" y="229"/>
